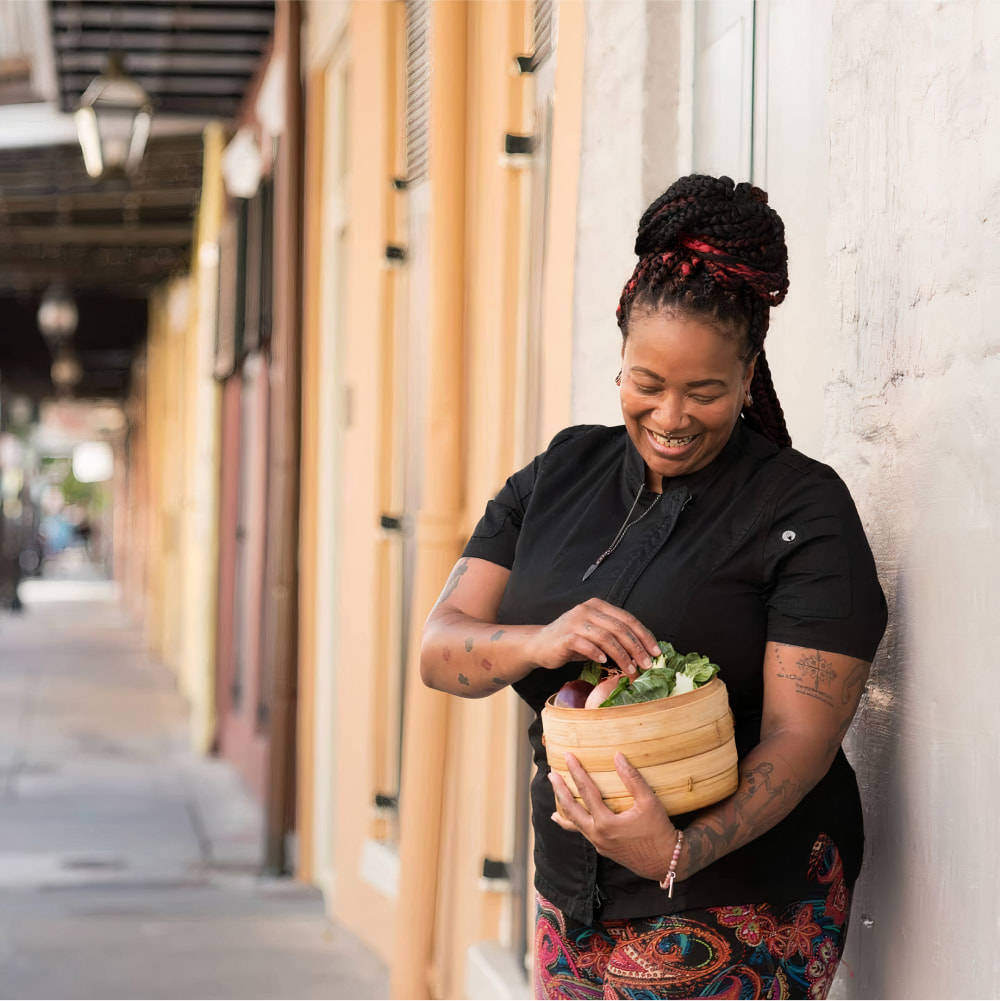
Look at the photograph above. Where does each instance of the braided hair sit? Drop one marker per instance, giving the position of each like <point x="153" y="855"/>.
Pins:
<point x="711" y="248"/>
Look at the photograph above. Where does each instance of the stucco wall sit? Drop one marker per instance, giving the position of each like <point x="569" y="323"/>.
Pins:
<point x="628" y="155"/>
<point x="791" y="160"/>
<point x="912" y="423"/>
<point x="910" y="414"/>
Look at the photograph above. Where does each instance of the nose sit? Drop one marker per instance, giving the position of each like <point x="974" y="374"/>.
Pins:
<point x="669" y="413"/>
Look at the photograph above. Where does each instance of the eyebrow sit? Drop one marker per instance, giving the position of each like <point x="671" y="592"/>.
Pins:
<point x="698" y="384"/>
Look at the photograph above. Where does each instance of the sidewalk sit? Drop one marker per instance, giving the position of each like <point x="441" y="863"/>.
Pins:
<point x="128" y="866"/>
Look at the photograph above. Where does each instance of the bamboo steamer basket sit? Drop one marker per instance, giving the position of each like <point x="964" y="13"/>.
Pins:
<point x="684" y="746"/>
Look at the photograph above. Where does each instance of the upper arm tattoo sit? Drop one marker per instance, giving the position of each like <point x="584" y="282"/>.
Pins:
<point x="456" y="575"/>
<point x="813" y="675"/>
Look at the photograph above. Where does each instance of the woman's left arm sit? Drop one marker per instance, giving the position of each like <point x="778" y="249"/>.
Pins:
<point x="810" y="697"/>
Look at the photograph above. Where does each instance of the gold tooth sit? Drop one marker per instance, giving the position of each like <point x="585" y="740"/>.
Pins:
<point x="666" y="439"/>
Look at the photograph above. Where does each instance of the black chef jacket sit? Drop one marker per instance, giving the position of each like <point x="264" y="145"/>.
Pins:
<point x="762" y="544"/>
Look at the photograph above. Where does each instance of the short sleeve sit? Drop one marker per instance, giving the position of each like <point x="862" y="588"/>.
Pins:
<point x="823" y="590"/>
<point x="495" y="536"/>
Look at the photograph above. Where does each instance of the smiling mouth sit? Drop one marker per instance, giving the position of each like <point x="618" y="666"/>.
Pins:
<point x="669" y="441"/>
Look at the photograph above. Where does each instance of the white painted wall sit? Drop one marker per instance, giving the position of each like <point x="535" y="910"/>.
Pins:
<point x="628" y="156"/>
<point x="875" y="134"/>
<point x="912" y="423"/>
<point x="791" y="155"/>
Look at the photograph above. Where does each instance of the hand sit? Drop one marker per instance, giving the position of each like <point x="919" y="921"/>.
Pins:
<point x="641" y="838"/>
<point x="595" y="630"/>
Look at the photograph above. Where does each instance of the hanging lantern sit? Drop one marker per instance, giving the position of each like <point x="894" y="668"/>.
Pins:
<point x="113" y="121"/>
<point x="57" y="317"/>
<point x="66" y="370"/>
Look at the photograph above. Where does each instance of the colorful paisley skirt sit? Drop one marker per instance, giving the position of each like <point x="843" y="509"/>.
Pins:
<point x="746" y="951"/>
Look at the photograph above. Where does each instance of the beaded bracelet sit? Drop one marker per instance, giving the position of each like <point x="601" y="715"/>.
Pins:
<point x="667" y="883"/>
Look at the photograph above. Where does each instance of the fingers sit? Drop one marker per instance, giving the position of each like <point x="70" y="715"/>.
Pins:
<point x="632" y="637"/>
<point x="566" y="825"/>
<point x="600" y="631"/>
<point x="574" y="817"/>
<point x="585" y="786"/>
<point x="635" y="838"/>
<point x="639" y="789"/>
<point x="614" y="649"/>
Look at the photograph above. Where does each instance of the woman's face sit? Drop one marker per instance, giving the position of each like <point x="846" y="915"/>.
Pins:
<point x="682" y="390"/>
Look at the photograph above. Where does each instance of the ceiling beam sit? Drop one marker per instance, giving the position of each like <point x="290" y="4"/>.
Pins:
<point x="123" y="273"/>
<point x="168" y="83"/>
<point x="205" y="17"/>
<point x="95" y="200"/>
<point x="154" y="235"/>
<point x="134" y="42"/>
<point x="91" y="62"/>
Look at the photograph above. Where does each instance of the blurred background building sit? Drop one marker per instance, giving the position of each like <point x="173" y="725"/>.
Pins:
<point x="348" y="263"/>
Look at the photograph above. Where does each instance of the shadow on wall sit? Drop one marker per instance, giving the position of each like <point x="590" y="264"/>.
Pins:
<point x="876" y="749"/>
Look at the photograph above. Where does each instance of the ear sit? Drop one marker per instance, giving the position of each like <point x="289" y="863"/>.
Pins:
<point x="748" y="377"/>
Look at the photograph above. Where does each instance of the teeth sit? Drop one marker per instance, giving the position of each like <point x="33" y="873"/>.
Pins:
<point x="674" y="442"/>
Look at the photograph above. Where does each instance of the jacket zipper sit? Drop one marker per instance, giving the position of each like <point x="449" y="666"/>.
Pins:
<point x="598" y="898"/>
<point x="621" y="532"/>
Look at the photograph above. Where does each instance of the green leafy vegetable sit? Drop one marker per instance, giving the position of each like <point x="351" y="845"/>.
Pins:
<point x="672" y="673"/>
<point x="591" y="672"/>
<point x="656" y="683"/>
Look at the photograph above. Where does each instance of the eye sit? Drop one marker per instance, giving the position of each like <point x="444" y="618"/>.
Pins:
<point x="704" y="399"/>
<point x="647" y="390"/>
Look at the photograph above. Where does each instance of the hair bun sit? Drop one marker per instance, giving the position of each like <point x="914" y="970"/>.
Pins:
<point x="713" y="209"/>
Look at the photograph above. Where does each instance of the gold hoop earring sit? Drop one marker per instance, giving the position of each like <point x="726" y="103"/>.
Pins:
<point x="618" y="378"/>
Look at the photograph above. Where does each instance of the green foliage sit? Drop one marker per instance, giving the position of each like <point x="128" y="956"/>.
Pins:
<point x="93" y="497"/>
<point x="672" y="673"/>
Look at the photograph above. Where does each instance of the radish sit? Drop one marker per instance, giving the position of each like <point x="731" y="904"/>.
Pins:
<point x="602" y="691"/>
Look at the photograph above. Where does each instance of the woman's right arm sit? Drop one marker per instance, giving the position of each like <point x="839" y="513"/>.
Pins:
<point x="466" y="653"/>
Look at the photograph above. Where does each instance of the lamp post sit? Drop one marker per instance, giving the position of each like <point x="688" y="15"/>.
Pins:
<point x="113" y="121"/>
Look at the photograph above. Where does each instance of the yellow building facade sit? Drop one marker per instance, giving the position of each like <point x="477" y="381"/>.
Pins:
<point x="435" y="328"/>
<point x="170" y="549"/>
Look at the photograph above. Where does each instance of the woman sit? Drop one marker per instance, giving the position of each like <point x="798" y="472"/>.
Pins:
<point x="696" y="523"/>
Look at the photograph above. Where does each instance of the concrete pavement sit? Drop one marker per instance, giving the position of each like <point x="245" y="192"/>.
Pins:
<point x="128" y="865"/>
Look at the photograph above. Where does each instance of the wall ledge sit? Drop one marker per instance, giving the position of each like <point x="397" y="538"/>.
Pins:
<point x="379" y="867"/>
<point x="493" y="972"/>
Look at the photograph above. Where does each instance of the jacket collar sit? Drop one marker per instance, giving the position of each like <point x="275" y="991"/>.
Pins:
<point x="691" y="483"/>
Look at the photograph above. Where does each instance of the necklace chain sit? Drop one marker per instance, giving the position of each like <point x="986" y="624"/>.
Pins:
<point x="621" y="531"/>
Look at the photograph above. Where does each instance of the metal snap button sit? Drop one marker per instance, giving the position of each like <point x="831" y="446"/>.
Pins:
<point x="788" y="536"/>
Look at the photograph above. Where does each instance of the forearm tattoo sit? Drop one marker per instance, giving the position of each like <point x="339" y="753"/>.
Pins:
<point x="770" y="789"/>
<point x="758" y="804"/>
